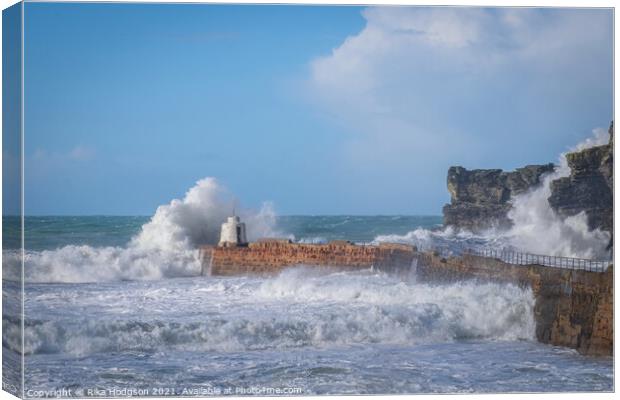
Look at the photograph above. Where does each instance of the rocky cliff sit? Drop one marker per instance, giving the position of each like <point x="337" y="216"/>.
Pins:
<point x="589" y="188"/>
<point x="480" y="198"/>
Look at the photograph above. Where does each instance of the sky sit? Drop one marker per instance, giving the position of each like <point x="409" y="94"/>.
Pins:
<point x="319" y="110"/>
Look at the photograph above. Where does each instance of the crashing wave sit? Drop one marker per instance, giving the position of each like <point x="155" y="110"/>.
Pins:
<point x="166" y="246"/>
<point x="536" y="228"/>
<point x="300" y="307"/>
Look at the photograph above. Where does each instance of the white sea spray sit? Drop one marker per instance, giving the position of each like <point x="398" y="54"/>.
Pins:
<point x="300" y="307"/>
<point x="166" y="246"/>
<point x="536" y="228"/>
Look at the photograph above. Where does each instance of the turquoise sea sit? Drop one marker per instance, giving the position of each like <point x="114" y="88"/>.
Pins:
<point x="115" y="306"/>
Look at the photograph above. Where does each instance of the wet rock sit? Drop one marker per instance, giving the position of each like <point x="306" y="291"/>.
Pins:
<point x="589" y="188"/>
<point x="480" y="198"/>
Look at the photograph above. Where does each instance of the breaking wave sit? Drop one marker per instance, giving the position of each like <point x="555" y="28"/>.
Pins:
<point x="300" y="307"/>
<point x="446" y="238"/>
<point x="537" y="228"/>
<point x="166" y="246"/>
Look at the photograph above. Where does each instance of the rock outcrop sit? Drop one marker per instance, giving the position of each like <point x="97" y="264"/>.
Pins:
<point x="589" y="188"/>
<point x="480" y="198"/>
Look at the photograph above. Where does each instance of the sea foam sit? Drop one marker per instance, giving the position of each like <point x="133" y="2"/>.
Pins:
<point x="166" y="246"/>
<point x="300" y="307"/>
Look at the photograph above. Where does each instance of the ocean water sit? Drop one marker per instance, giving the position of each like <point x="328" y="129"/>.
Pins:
<point x="115" y="306"/>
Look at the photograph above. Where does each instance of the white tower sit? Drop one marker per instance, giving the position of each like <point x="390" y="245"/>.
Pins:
<point x="233" y="233"/>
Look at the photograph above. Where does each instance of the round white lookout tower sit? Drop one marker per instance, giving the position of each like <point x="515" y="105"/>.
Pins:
<point x="233" y="233"/>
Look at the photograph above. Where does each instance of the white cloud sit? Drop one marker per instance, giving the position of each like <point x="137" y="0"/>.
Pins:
<point x="81" y="153"/>
<point x="421" y="81"/>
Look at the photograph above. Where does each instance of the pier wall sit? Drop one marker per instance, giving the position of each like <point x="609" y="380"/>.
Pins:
<point x="272" y="256"/>
<point x="572" y="308"/>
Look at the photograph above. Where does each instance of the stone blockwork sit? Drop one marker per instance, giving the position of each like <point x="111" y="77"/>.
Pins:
<point x="480" y="198"/>
<point x="270" y="256"/>
<point x="572" y="308"/>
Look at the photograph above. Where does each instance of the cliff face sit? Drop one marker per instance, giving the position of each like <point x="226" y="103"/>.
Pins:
<point x="589" y="187"/>
<point x="479" y="198"/>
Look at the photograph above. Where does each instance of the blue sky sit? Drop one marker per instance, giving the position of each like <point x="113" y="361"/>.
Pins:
<point x="321" y="110"/>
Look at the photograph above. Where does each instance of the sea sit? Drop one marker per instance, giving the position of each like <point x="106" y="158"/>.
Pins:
<point x="116" y="306"/>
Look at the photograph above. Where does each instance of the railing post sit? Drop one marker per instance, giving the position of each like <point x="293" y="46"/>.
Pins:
<point x="521" y="258"/>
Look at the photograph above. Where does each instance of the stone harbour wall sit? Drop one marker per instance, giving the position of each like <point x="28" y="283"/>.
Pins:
<point x="272" y="256"/>
<point x="572" y="308"/>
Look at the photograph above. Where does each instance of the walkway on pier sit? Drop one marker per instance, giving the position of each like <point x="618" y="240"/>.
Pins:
<point x="520" y="258"/>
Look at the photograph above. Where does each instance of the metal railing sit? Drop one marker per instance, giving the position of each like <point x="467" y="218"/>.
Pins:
<point x="519" y="258"/>
<point x="516" y="258"/>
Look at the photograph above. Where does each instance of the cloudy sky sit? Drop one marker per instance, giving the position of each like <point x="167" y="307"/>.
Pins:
<point x="321" y="110"/>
